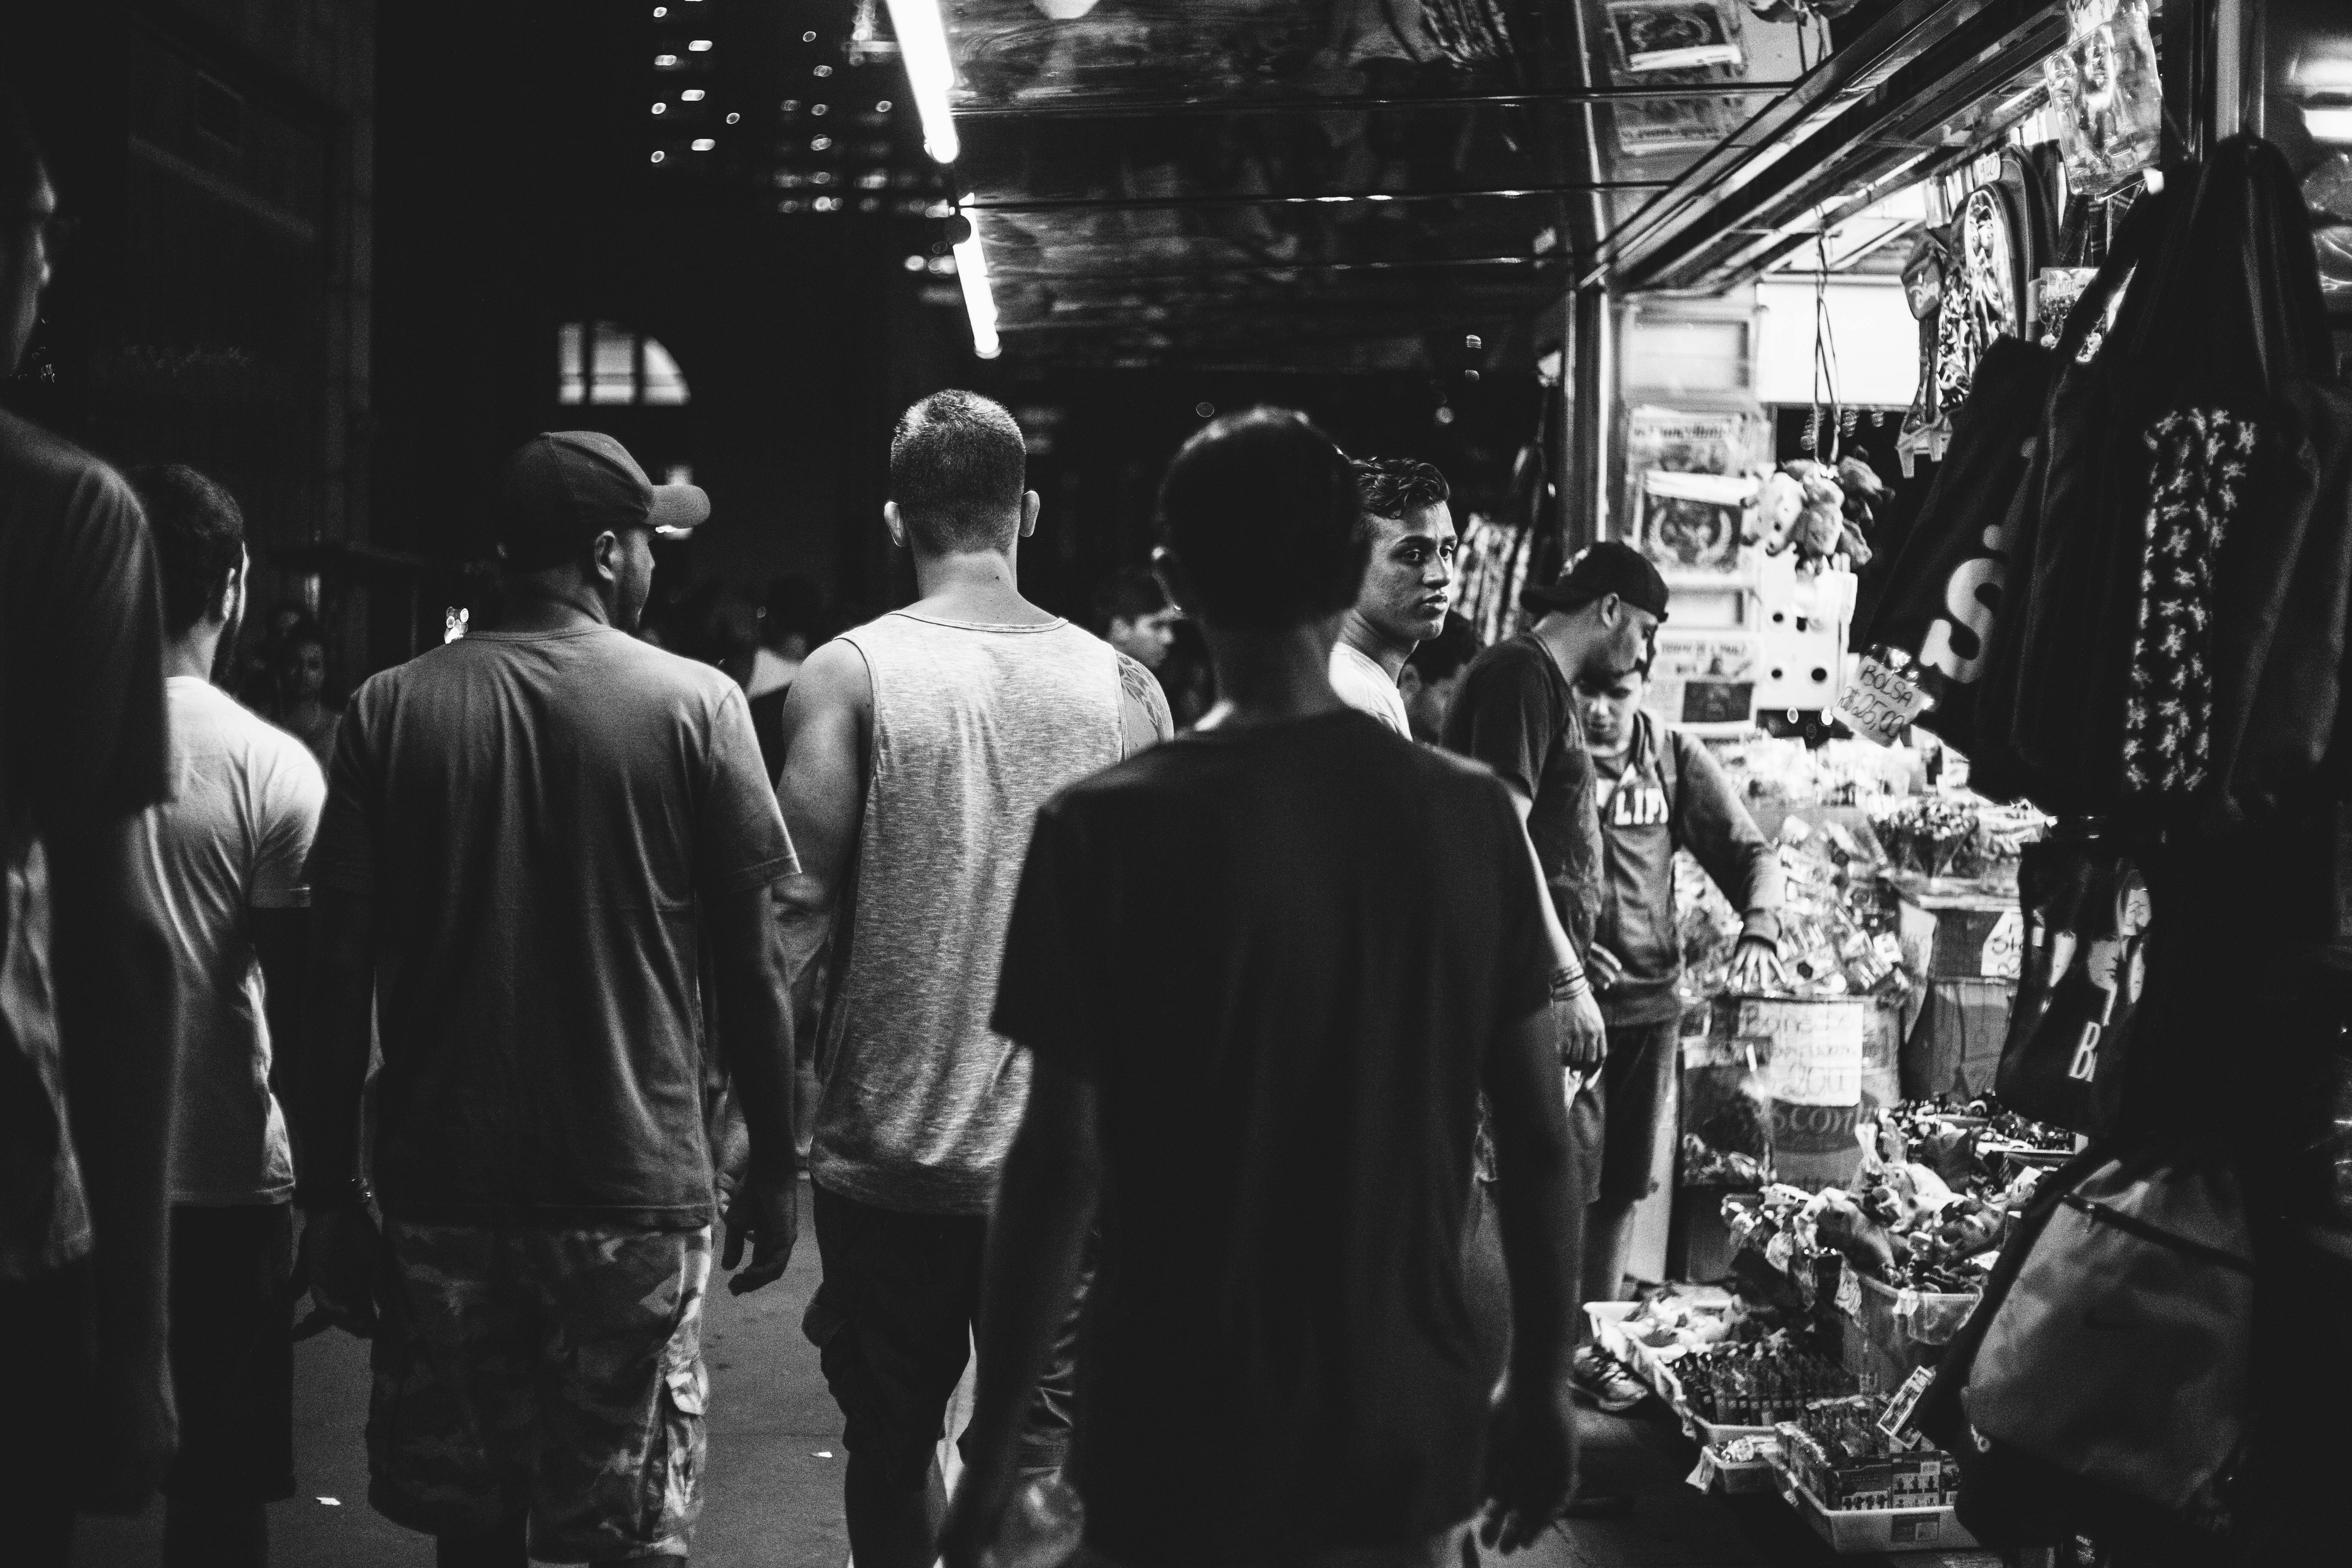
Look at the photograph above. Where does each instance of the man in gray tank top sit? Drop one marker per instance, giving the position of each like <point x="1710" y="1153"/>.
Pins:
<point x="918" y="749"/>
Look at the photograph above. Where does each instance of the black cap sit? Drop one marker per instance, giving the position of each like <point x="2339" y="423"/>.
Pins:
<point x="561" y="490"/>
<point x="1608" y="567"/>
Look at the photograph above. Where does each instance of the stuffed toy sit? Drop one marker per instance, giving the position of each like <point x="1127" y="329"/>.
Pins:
<point x="1805" y="508"/>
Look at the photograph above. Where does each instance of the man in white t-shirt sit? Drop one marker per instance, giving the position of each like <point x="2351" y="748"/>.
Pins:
<point x="1407" y="532"/>
<point x="227" y="853"/>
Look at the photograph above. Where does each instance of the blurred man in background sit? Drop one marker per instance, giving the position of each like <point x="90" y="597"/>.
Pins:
<point x="87" y="1003"/>
<point x="226" y="854"/>
<point x="1432" y="674"/>
<point x="1136" y="617"/>
<point x="788" y="629"/>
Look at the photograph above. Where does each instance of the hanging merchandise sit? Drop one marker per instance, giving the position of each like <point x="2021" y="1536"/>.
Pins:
<point x="1501" y="555"/>
<point x="1491" y="568"/>
<point x="1938" y="599"/>
<point x="1999" y="240"/>
<point x="2108" y="99"/>
<point x="1927" y="272"/>
<point x="2327" y="190"/>
<point x="2183" y="569"/>
<point x="1691" y="476"/>
<point x="2084" y="964"/>
<point x="1646" y="36"/>
<point x="2101" y="1386"/>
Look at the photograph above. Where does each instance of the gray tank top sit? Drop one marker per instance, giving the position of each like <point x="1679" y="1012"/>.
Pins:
<point x="974" y="726"/>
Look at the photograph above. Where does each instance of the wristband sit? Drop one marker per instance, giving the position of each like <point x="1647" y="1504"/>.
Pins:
<point x="1570" y="985"/>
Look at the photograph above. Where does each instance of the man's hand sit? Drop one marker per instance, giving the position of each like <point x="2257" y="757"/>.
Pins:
<point x="1604" y="968"/>
<point x="975" y="1517"/>
<point x="129" y="1432"/>
<point x="1583" y="1035"/>
<point x="766" y="1212"/>
<point x="1756" y="966"/>
<point x="1530" y="1466"/>
<point x="339" y="1248"/>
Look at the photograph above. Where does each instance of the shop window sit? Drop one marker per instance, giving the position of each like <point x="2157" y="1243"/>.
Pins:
<point x="598" y="363"/>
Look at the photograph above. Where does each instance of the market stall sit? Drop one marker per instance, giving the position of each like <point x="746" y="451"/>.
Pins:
<point x="2036" y="693"/>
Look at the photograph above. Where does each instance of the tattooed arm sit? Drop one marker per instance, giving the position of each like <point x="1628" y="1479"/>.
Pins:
<point x="1143" y="709"/>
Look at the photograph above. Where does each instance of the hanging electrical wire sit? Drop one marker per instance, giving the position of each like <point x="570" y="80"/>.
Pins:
<point x="1825" y="351"/>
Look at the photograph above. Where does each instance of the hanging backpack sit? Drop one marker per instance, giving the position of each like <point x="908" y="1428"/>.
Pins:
<point x="2102" y="1385"/>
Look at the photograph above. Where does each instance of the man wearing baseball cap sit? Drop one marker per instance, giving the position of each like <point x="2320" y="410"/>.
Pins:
<point x="530" y="835"/>
<point x="1518" y="712"/>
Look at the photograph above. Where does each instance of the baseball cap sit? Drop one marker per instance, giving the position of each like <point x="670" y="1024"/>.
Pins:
<point x="561" y="488"/>
<point x="1608" y="567"/>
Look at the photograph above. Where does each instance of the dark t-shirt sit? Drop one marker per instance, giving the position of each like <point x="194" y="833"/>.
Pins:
<point x="82" y="741"/>
<point x="533" y="817"/>
<point x="1514" y="712"/>
<point x="1282" y="955"/>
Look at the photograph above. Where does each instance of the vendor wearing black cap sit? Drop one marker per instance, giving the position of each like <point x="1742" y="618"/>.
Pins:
<point x="543" y="838"/>
<point x="1518" y="712"/>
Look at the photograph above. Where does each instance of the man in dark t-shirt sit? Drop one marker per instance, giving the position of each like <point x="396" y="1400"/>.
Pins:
<point x="531" y="836"/>
<point x="1264" y="971"/>
<point x="1518" y="712"/>
<point x="86" y="986"/>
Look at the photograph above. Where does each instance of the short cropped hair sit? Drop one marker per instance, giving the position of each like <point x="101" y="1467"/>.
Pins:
<point x="1442" y="655"/>
<point x="1394" y="486"/>
<point x="958" y="468"/>
<point x="199" y="538"/>
<point x="1260" y="508"/>
<point x="1130" y="594"/>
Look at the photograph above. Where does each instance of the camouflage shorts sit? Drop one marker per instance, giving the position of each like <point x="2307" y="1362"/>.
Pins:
<point x="549" y="1370"/>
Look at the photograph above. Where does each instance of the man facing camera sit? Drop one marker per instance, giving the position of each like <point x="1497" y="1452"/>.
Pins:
<point x="1407" y="535"/>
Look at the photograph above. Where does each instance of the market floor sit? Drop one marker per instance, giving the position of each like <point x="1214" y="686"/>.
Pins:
<point x="773" y="1497"/>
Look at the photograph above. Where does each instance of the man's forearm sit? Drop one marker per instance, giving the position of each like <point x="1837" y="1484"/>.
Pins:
<point x="804" y="909"/>
<point x="332" y="1070"/>
<point x="118" y="1012"/>
<point x="1037" y="1239"/>
<point x="755" y="1022"/>
<point x="1538" y="1188"/>
<point x="1542" y="1222"/>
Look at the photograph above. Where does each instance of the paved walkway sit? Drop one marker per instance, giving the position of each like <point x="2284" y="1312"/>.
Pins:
<point x="773" y="1497"/>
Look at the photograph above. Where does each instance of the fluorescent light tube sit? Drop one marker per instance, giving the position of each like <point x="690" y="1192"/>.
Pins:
<point x="979" y="302"/>
<point x="923" y="45"/>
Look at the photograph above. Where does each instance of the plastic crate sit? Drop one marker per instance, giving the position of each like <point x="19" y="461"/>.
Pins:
<point x="1854" y="1531"/>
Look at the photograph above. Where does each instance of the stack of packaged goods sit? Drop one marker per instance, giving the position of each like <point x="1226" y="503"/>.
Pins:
<point x="1840" y="1451"/>
<point x="1760" y="1384"/>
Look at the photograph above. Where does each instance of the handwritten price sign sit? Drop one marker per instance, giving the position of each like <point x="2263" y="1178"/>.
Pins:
<point x="1879" y="701"/>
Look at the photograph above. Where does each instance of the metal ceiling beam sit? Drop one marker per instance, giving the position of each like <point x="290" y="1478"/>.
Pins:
<point x="1010" y="277"/>
<point x="1881" y="139"/>
<point x="1139" y="204"/>
<point x="1149" y="108"/>
<point x="1725" y="186"/>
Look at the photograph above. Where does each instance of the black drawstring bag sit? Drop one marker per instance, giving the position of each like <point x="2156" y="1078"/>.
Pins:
<point x="2086" y="912"/>
<point x="2153" y="561"/>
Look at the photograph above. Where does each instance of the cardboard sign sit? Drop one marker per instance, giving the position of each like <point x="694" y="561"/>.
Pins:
<point x="1880" y="702"/>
